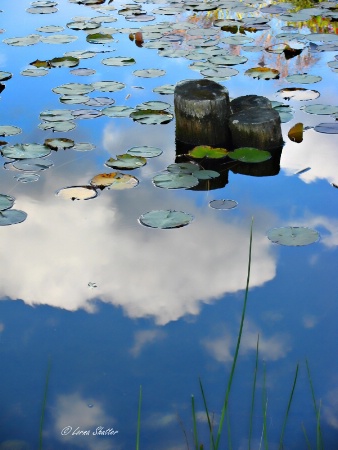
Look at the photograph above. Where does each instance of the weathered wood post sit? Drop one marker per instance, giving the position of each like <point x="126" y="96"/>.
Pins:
<point x="254" y="123"/>
<point x="202" y="111"/>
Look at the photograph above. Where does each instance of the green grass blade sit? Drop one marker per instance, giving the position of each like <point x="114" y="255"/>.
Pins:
<point x="44" y="402"/>
<point x="194" y="422"/>
<point x="319" y="432"/>
<point x="265" y="410"/>
<point x="306" y="438"/>
<point x="208" y="416"/>
<point x="225" y="403"/>
<point x="288" y="407"/>
<point x="229" y="429"/>
<point x="139" y="420"/>
<point x="253" y="393"/>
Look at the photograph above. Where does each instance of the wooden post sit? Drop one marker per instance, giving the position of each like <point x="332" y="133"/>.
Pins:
<point x="202" y="113"/>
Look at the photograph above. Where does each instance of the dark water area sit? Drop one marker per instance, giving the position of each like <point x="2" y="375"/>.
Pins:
<point x="93" y="303"/>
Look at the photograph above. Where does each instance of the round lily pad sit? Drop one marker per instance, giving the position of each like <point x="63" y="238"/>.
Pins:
<point x="59" y="143"/>
<point x="9" y="130"/>
<point x="34" y="72"/>
<point x="185" y="167"/>
<point x="28" y="177"/>
<point x="25" y="151"/>
<point x="99" y="38"/>
<point x="293" y="236"/>
<point x="12" y="217"/>
<point x="33" y="164"/>
<point x="6" y="202"/>
<point x="206" y="174"/>
<point x="223" y="204"/>
<point x="126" y="162"/>
<point x="58" y="39"/>
<point x="149" y="73"/>
<point x="77" y="193"/>
<point x="115" y="180"/>
<point x="118" y="111"/>
<point x="327" y="128"/>
<point x="165" y="89"/>
<point x="262" y="73"/>
<point x="175" y="181"/>
<point x="108" y="86"/>
<point x="249" y="155"/>
<point x="320" y="109"/>
<point x="4" y="76"/>
<point x="154" y="105"/>
<point x="119" y="61"/>
<point x="165" y="219"/>
<point x="56" y="115"/>
<point x="73" y="89"/>
<point x="83" y="147"/>
<point x="300" y="94"/>
<point x="151" y="117"/>
<point x="145" y="151"/>
<point x="303" y="78"/>
<point x="205" y="151"/>
<point x="60" y="127"/>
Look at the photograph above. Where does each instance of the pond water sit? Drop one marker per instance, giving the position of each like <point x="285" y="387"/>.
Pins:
<point x="95" y="304"/>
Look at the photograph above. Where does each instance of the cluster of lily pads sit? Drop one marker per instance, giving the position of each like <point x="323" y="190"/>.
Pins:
<point x="9" y="216"/>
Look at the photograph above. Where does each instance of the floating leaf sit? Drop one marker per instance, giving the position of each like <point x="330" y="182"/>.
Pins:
<point x="28" y="178"/>
<point x="320" y="109"/>
<point x="249" y="155"/>
<point x="56" y="115"/>
<point x="321" y="37"/>
<point x="145" y="151"/>
<point x="303" y="78"/>
<point x="74" y="99"/>
<point x="77" y="193"/>
<point x="165" y="219"/>
<point x="300" y="94"/>
<point x="23" y="41"/>
<point x="86" y="114"/>
<point x="4" y="76"/>
<point x="149" y="73"/>
<point x="175" y="181"/>
<point x="119" y="61"/>
<point x="293" y="236"/>
<point x="83" y="72"/>
<point x="9" y="130"/>
<point x="74" y="89"/>
<point x="99" y="38"/>
<point x="263" y="73"/>
<point x="126" y="161"/>
<point x="237" y="39"/>
<point x="100" y="101"/>
<point x="205" y="151"/>
<point x="58" y="39"/>
<point x="6" y="202"/>
<point x="50" y="29"/>
<point x="25" y="151"/>
<point x="187" y="168"/>
<point x="64" y="61"/>
<point x="154" y="105"/>
<point x="333" y="65"/>
<point x="34" y="72"/>
<point x="83" y="147"/>
<point x="221" y="72"/>
<point x="108" y="86"/>
<point x="61" y="127"/>
<point x="296" y="133"/>
<point x="165" y="89"/>
<point x="12" y="217"/>
<point x="206" y="174"/>
<point x="118" y="111"/>
<point x="114" y="180"/>
<point x="327" y="128"/>
<point x="151" y="117"/>
<point x="60" y="143"/>
<point x="33" y="164"/>
<point x="227" y="60"/>
<point x="223" y="204"/>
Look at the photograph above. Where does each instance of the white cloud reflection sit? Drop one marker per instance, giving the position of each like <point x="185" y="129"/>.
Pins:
<point x="144" y="338"/>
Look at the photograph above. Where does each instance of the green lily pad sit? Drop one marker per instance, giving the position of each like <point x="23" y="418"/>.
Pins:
<point x="115" y="180"/>
<point x="99" y="38"/>
<point x="119" y="61"/>
<point x="83" y="72"/>
<point x="4" y="76"/>
<point x="205" y="151"/>
<point x="223" y="204"/>
<point x="64" y="61"/>
<point x="33" y="164"/>
<point x="154" y="105"/>
<point x="221" y="72"/>
<point x="118" y="111"/>
<point x="86" y="113"/>
<point x="175" y="181"/>
<point x="165" y="219"/>
<point x="108" y="86"/>
<point x="320" y="109"/>
<point x="34" y="72"/>
<point x="151" y="117"/>
<point x="50" y="29"/>
<point x="77" y="193"/>
<point x="206" y="174"/>
<point x="58" y="39"/>
<point x="237" y="39"/>
<point x="9" y="130"/>
<point x="300" y="94"/>
<point x="126" y="162"/>
<point x="165" y="89"/>
<point x="61" y="143"/>
<point x="28" y="177"/>
<point x="303" y="78"/>
<point x="25" y="151"/>
<point x="249" y="155"/>
<point x="228" y="60"/>
<point x="12" y="217"/>
<point x="74" y="99"/>
<point x="187" y="168"/>
<point x="73" y="89"/>
<point x="23" y="41"/>
<point x="6" y="202"/>
<point x="61" y="127"/>
<point x="56" y="115"/>
<point x="293" y="236"/>
<point x="83" y="147"/>
<point x="145" y="151"/>
<point x="149" y="73"/>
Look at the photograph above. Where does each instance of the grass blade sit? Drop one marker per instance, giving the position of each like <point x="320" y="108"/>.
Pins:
<point x="288" y="408"/>
<point x="194" y="422"/>
<point x="44" y="402"/>
<point x="265" y="410"/>
<point x="306" y="438"/>
<point x="139" y="420"/>
<point x="319" y="432"/>
<point x="253" y="393"/>
<point x="208" y="416"/>
<point x="225" y="403"/>
<point x="229" y="429"/>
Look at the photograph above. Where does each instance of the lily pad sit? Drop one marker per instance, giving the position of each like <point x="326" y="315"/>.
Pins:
<point x="115" y="180"/>
<point x="4" y="76"/>
<point x="12" y="217"/>
<point x="77" y="193"/>
<point x="83" y="147"/>
<point x="300" y="94"/>
<point x="58" y="39"/>
<point x="296" y="133"/>
<point x="293" y="236"/>
<point x="23" y="41"/>
<point x="223" y="204"/>
<point x="303" y="78"/>
<point x="28" y="177"/>
<point x="151" y="117"/>
<point x="175" y="181"/>
<point x="185" y="167"/>
<point x="118" y="111"/>
<point x="206" y="174"/>
<point x="205" y="151"/>
<point x="249" y="155"/>
<point x="9" y="130"/>
<point x="126" y="162"/>
<point x="33" y="164"/>
<point x="50" y="29"/>
<point x="64" y="61"/>
<point x="263" y="73"/>
<point x="165" y="219"/>
<point x="99" y="38"/>
<point x="6" y="202"/>
<point x="61" y="143"/>
<point x="145" y="151"/>
<point x="83" y="72"/>
<point x="119" y="61"/>
<point x="61" y="127"/>
<point x="108" y="86"/>
<point x="154" y="105"/>
<point x="25" y="151"/>
<point x="320" y="109"/>
<point x="165" y="89"/>
<point x="327" y="128"/>
<point x="149" y="73"/>
<point x="56" y="115"/>
<point x="73" y="89"/>
<point x="34" y="72"/>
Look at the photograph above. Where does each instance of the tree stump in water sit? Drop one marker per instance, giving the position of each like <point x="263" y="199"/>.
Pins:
<point x="249" y="101"/>
<point x="202" y="113"/>
<point x="256" y="126"/>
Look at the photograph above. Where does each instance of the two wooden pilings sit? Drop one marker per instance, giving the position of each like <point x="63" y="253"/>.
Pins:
<point x="205" y="116"/>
